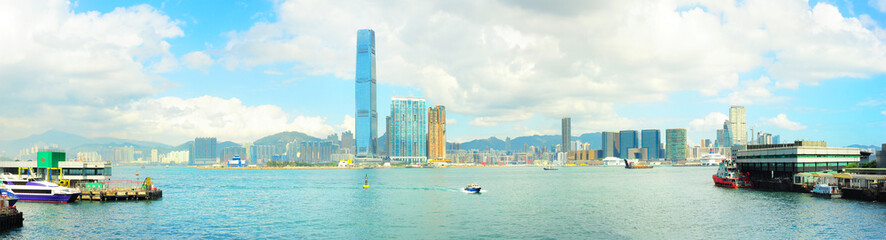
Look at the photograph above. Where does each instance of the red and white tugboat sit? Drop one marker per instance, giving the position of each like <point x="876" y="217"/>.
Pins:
<point x="729" y="177"/>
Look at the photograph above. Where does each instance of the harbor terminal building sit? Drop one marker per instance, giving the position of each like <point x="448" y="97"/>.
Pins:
<point x="774" y="165"/>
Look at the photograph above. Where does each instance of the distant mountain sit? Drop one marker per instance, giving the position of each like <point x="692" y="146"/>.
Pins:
<point x="875" y="147"/>
<point x="285" y="137"/>
<point x="537" y="140"/>
<point x="71" y="143"/>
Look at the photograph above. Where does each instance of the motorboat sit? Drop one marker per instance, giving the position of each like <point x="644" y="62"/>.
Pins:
<point x="550" y="168"/>
<point x="826" y="191"/>
<point x="33" y="189"/>
<point x="728" y="176"/>
<point x="473" y="188"/>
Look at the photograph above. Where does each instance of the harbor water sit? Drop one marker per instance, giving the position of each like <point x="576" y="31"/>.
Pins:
<point x="516" y="203"/>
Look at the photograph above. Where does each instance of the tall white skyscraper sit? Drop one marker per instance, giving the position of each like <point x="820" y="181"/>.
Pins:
<point x="738" y="125"/>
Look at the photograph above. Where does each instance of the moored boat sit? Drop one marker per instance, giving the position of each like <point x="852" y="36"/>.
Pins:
<point x="9" y="199"/>
<point x="826" y="191"/>
<point x="728" y="176"/>
<point x="34" y="190"/>
<point x="473" y="188"/>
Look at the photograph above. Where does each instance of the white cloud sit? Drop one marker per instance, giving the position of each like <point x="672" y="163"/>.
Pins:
<point x="706" y="127"/>
<point x="198" y="60"/>
<point x="884" y="112"/>
<point x="348" y="124"/>
<point x="751" y="91"/>
<point x="176" y="119"/>
<point x="782" y="121"/>
<point x="58" y="62"/>
<point x="878" y="4"/>
<point x="451" y="121"/>
<point x="513" y="57"/>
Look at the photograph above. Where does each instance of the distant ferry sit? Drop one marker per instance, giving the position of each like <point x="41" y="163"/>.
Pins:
<point x="33" y="190"/>
<point x="729" y="177"/>
<point x="638" y="165"/>
<point x="712" y="159"/>
<point x="613" y="162"/>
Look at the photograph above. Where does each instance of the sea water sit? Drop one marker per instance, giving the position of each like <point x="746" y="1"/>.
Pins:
<point x="422" y="203"/>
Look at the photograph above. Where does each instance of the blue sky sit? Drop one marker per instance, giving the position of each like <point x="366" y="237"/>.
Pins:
<point x="169" y="71"/>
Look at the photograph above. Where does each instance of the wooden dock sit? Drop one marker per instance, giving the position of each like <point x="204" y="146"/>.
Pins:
<point x="120" y="195"/>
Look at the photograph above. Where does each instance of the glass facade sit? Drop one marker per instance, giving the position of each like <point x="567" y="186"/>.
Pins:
<point x="627" y="139"/>
<point x="738" y="125"/>
<point x="651" y="141"/>
<point x="676" y="147"/>
<point x="367" y="118"/>
<point x="409" y="133"/>
<point x="610" y="144"/>
<point x="566" y="135"/>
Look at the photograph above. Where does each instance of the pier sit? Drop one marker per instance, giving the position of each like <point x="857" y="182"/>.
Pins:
<point x="855" y="183"/>
<point x="119" y="190"/>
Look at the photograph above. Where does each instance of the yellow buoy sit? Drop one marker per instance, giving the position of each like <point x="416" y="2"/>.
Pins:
<point x="366" y="182"/>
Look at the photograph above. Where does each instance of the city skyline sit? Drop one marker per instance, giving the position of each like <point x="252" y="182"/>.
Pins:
<point x="257" y="68"/>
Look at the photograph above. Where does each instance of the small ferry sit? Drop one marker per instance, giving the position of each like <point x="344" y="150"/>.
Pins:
<point x="728" y="176"/>
<point x="34" y="190"/>
<point x="550" y="168"/>
<point x="473" y="188"/>
<point x="826" y="191"/>
<point x="629" y="165"/>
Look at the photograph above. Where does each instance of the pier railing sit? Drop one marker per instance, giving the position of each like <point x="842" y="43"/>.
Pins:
<point x="114" y="185"/>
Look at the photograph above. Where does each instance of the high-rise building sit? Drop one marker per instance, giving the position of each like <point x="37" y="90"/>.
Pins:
<point x="437" y="132"/>
<point x="228" y="153"/>
<point x="738" y="125"/>
<point x="724" y="136"/>
<point x="203" y="151"/>
<point x="610" y="144"/>
<point x="347" y="141"/>
<point x="705" y="143"/>
<point x="410" y="134"/>
<point x="627" y="139"/>
<point x="155" y="157"/>
<point x="676" y="146"/>
<point x="388" y="128"/>
<point x="367" y="117"/>
<point x="566" y="135"/>
<point x="776" y="139"/>
<point x="651" y="141"/>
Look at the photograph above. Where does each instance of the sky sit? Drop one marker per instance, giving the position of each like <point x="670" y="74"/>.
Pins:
<point x="170" y="71"/>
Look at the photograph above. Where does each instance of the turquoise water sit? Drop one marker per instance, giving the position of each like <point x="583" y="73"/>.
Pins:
<point x="518" y="202"/>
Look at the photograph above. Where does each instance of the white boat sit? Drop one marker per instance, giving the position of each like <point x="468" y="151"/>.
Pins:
<point x="35" y="190"/>
<point x="826" y="191"/>
<point x="712" y="159"/>
<point x="613" y="162"/>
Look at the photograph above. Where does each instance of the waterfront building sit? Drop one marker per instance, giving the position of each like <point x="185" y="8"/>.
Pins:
<point x="637" y="153"/>
<point x="566" y="133"/>
<point x="88" y="157"/>
<point x="264" y="153"/>
<point x="317" y="151"/>
<point x="776" y="139"/>
<point x="366" y="122"/>
<point x="675" y="144"/>
<point x="724" y="136"/>
<point x="764" y="138"/>
<point x="347" y="141"/>
<point x="388" y="128"/>
<point x="651" y="141"/>
<point x="881" y="157"/>
<point x="228" y="153"/>
<point x="738" y="125"/>
<point x="409" y="129"/>
<point x="627" y="139"/>
<point x="155" y="157"/>
<point x="610" y="144"/>
<point x="203" y="151"/>
<point x="177" y="157"/>
<point x="437" y="132"/>
<point x="770" y="162"/>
